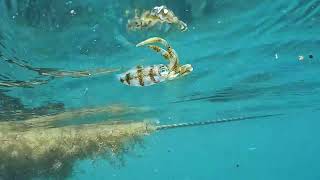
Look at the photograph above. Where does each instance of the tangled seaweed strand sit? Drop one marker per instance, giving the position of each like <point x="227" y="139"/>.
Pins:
<point x="47" y="121"/>
<point x="61" y="73"/>
<point x="36" y="147"/>
<point x="50" y="74"/>
<point x="53" y="151"/>
<point x="25" y="84"/>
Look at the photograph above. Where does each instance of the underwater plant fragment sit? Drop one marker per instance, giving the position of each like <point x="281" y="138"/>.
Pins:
<point x="25" y="84"/>
<point x="52" y="152"/>
<point x="56" y="73"/>
<point x="51" y="120"/>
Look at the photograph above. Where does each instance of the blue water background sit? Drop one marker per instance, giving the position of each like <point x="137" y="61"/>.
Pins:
<point x="245" y="57"/>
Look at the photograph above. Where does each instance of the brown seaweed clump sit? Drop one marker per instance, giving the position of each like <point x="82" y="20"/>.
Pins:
<point x="38" y="148"/>
<point x="52" y="152"/>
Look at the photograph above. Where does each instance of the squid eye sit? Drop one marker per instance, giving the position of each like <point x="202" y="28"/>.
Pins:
<point x="163" y="70"/>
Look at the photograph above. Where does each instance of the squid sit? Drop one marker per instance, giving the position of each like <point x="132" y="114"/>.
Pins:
<point x="149" y="18"/>
<point x="154" y="74"/>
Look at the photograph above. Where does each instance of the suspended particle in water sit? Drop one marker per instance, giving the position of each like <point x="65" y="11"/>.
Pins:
<point x="237" y="165"/>
<point x="310" y="56"/>
<point x="301" y="58"/>
<point x="57" y="165"/>
<point x="94" y="28"/>
<point x="276" y="56"/>
<point x="73" y="12"/>
<point x="85" y="91"/>
<point x="90" y="9"/>
<point x="69" y="2"/>
<point x="126" y="13"/>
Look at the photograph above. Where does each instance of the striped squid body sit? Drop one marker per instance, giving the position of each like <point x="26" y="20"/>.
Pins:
<point x="145" y="76"/>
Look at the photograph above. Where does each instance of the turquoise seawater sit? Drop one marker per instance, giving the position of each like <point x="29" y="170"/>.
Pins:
<point x="249" y="58"/>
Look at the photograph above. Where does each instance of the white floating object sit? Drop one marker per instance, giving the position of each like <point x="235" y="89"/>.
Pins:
<point x="301" y="58"/>
<point x="73" y="12"/>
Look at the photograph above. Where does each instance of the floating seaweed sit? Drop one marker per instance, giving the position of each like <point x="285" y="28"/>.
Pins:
<point x="25" y="84"/>
<point x="56" y="73"/>
<point x="53" y="151"/>
<point x="49" y="74"/>
<point x="115" y="109"/>
<point x="27" y="151"/>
